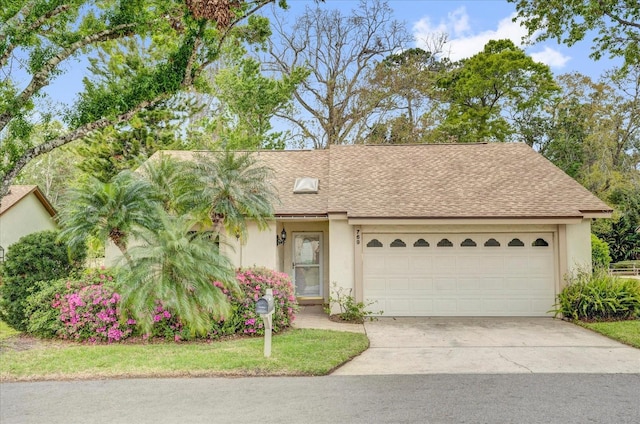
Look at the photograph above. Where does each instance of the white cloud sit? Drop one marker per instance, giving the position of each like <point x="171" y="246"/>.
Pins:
<point x="463" y="42"/>
<point x="551" y="57"/>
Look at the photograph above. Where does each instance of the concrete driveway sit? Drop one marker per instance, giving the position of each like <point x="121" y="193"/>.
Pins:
<point x="488" y="346"/>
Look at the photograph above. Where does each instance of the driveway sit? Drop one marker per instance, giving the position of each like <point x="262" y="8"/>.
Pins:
<point x="488" y="346"/>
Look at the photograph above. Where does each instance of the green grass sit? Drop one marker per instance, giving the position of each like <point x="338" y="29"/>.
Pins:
<point x="6" y="331"/>
<point x="295" y="352"/>
<point x="627" y="332"/>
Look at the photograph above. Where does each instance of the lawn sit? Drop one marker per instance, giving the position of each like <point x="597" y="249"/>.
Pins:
<point x="294" y="352"/>
<point x="627" y="332"/>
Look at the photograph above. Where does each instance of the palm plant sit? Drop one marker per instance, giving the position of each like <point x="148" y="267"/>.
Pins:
<point x="118" y="210"/>
<point x="173" y="182"/>
<point x="177" y="267"/>
<point x="235" y="188"/>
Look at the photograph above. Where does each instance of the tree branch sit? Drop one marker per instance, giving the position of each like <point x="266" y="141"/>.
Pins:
<point x="78" y="133"/>
<point x="41" y="78"/>
<point x="34" y="26"/>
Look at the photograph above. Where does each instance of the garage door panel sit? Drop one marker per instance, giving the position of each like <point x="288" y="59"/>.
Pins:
<point x="490" y="278"/>
<point x="445" y="306"/>
<point x="421" y="284"/>
<point x="397" y="306"/>
<point x="397" y="264"/>
<point x="422" y="306"/>
<point x="516" y="264"/>
<point x="375" y="284"/>
<point x="397" y="285"/>
<point x="373" y="264"/>
<point x="444" y="284"/>
<point x="468" y="284"/>
<point x="444" y="263"/>
<point x="420" y="264"/>
<point x="493" y="283"/>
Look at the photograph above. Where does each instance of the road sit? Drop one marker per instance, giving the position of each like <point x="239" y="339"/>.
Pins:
<point x="514" y="398"/>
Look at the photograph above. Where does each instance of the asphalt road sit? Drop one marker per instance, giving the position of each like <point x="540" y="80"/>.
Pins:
<point x="514" y="398"/>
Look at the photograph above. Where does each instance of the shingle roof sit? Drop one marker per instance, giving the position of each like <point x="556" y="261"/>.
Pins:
<point x="495" y="180"/>
<point x="18" y="192"/>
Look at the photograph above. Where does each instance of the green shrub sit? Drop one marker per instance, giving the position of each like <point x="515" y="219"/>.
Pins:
<point x="599" y="297"/>
<point x="350" y="310"/>
<point x="43" y="319"/>
<point x="599" y="253"/>
<point x="35" y="257"/>
<point x="254" y="282"/>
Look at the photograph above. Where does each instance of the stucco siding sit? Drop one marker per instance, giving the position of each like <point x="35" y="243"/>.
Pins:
<point x="578" y="246"/>
<point x="26" y="217"/>
<point x="259" y="249"/>
<point x="341" y="256"/>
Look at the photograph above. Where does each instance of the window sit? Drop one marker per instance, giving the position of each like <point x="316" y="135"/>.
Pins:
<point x="445" y="243"/>
<point x="421" y="243"/>
<point x="540" y="243"/>
<point x="468" y="243"/>
<point x="374" y="243"/>
<point x="398" y="243"/>
<point x="492" y="243"/>
<point x="516" y="242"/>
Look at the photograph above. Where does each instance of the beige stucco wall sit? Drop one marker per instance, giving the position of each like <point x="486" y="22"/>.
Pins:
<point x="26" y="217"/>
<point x="258" y="250"/>
<point x="578" y="246"/>
<point x="341" y="256"/>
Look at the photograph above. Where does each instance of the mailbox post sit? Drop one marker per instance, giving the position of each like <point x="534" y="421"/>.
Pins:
<point x="265" y="307"/>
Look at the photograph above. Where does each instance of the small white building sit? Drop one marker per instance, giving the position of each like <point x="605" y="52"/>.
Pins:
<point x="24" y="210"/>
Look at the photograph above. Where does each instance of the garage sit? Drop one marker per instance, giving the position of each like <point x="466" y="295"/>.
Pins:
<point x="474" y="274"/>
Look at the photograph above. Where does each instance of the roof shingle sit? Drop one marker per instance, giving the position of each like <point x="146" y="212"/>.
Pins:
<point x="496" y="180"/>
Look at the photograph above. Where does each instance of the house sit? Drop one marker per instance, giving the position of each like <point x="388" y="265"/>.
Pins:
<point x="24" y="210"/>
<point x="425" y="230"/>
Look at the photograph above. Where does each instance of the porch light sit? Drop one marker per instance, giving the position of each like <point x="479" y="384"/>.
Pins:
<point x="2" y="252"/>
<point x="281" y="239"/>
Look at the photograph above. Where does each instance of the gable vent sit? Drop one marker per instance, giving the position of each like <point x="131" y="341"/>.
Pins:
<point x="305" y="185"/>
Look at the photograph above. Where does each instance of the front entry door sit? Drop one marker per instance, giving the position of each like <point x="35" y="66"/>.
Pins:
<point x="307" y="264"/>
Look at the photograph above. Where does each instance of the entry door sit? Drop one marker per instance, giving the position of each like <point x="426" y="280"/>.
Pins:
<point x="307" y="264"/>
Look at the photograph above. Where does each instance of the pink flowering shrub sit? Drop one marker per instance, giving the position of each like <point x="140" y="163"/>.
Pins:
<point x="88" y="309"/>
<point x="91" y="312"/>
<point x="254" y="282"/>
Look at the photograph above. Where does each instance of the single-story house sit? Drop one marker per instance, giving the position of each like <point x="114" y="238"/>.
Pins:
<point x="425" y="230"/>
<point x="24" y="210"/>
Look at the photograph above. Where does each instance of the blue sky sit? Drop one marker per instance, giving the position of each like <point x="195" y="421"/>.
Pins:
<point x="470" y="24"/>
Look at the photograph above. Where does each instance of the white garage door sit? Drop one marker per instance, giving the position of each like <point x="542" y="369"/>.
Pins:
<point x="459" y="274"/>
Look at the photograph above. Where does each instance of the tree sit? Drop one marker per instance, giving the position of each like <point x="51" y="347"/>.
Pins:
<point x="52" y="172"/>
<point x="334" y="105"/>
<point x="232" y="189"/>
<point x="409" y="82"/>
<point x="177" y="268"/>
<point x="617" y="23"/>
<point x="178" y="41"/>
<point x="106" y="152"/>
<point x="119" y="210"/>
<point x="488" y="92"/>
<point x="248" y="100"/>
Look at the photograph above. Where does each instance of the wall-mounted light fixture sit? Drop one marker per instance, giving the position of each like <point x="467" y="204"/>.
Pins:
<point x="281" y="239"/>
<point x="2" y="252"/>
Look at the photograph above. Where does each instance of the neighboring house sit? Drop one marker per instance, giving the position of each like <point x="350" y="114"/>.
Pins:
<point x="425" y="230"/>
<point x="24" y="210"/>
